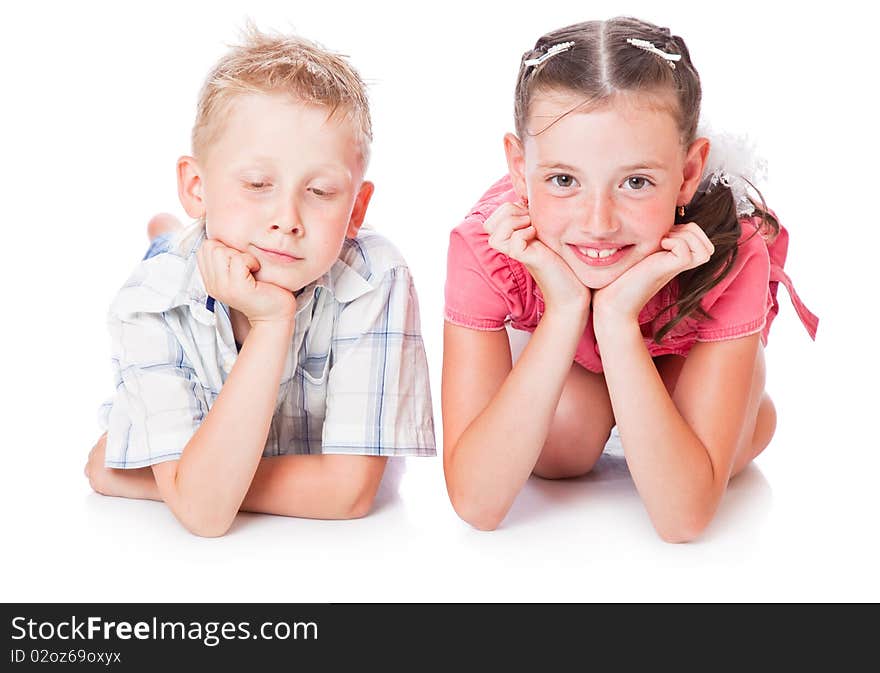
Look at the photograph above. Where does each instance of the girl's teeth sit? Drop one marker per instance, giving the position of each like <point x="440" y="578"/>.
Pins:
<point x="598" y="254"/>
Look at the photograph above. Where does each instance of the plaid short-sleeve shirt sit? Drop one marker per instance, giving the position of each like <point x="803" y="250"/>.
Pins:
<point x="355" y="380"/>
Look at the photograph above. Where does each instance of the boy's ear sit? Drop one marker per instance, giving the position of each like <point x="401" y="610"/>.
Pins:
<point x="516" y="165"/>
<point x="694" y="163"/>
<point x="359" y="211"/>
<point x="190" y="187"/>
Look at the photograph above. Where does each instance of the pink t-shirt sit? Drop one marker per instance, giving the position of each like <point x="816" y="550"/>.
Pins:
<point x="486" y="289"/>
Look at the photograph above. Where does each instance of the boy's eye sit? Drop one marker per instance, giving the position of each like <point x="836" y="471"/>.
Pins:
<point x="562" y="180"/>
<point x="323" y="193"/>
<point x="636" y="182"/>
<point x="257" y="185"/>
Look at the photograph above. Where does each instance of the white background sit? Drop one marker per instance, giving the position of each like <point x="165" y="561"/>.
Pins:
<point x="98" y="104"/>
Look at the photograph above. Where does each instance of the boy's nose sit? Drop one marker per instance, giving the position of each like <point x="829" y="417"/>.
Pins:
<point x="288" y="222"/>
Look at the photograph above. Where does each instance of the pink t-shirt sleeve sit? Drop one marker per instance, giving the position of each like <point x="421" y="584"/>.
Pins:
<point x="479" y="282"/>
<point x="738" y="305"/>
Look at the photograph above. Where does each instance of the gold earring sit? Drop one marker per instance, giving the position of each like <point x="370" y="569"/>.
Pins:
<point x="681" y="211"/>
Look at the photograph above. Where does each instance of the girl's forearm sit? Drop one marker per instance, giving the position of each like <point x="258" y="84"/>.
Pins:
<point x="218" y="463"/>
<point x="670" y="466"/>
<point x="495" y="455"/>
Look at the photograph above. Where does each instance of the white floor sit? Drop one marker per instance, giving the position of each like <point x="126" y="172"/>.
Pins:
<point x="799" y="524"/>
<point x="90" y="156"/>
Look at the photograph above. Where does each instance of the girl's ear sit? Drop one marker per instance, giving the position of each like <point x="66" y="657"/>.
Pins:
<point x="359" y="211"/>
<point x="190" y="187"/>
<point x="694" y="163"/>
<point x="516" y="165"/>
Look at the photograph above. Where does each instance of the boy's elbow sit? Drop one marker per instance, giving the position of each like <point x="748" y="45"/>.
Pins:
<point x="205" y="525"/>
<point x="361" y="506"/>
<point x="361" y="495"/>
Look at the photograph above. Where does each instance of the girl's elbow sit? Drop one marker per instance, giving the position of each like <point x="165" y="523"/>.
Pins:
<point x="687" y="529"/>
<point x="207" y="528"/>
<point x="476" y="513"/>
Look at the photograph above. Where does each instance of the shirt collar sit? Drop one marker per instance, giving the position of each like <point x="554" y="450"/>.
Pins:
<point x="172" y="279"/>
<point x="341" y="280"/>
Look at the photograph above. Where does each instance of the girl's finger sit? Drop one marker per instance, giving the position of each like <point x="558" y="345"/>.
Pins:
<point x="677" y="247"/>
<point x="697" y="231"/>
<point x="523" y="236"/>
<point x="505" y="212"/>
<point x="506" y="228"/>
<point x="700" y="247"/>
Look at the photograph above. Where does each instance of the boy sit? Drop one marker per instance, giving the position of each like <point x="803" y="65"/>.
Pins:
<point x="272" y="328"/>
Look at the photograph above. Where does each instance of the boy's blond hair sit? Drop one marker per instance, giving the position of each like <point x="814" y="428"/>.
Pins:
<point x="287" y="64"/>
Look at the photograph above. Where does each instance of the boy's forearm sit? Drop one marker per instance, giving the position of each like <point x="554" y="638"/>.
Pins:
<point x="139" y="484"/>
<point x="315" y="487"/>
<point x="218" y="463"/>
<point x="303" y="486"/>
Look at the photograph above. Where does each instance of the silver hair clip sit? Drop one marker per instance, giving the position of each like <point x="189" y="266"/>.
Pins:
<point x="649" y="46"/>
<point x="552" y="51"/>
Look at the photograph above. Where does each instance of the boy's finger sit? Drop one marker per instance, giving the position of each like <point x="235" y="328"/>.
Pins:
<point x="251" y="262"/>
<point x="238" y="267"/>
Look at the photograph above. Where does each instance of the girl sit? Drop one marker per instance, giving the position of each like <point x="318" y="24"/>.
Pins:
<point x="647" y="279"/>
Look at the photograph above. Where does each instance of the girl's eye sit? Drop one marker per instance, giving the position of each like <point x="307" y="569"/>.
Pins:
<point x="321" y="193"/>
<point x="562" y="180"/>
<point x="257" y="185"/>
<point x="636" y="183"/>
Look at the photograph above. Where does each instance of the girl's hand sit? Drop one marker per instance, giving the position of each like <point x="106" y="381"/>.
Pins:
<point x="511" y="232"/>
<point x="229" y="278"/>
<point x="686" y="246"/>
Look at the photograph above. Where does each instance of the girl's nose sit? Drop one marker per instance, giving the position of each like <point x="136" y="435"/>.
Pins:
<point x="599" y="217"/>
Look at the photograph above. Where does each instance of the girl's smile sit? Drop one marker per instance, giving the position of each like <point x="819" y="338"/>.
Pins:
<point x="602" y="183"/>
<point x="600" y="254"/>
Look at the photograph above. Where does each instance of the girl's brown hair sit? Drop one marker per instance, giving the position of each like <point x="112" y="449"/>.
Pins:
<point x="600" y="65"/>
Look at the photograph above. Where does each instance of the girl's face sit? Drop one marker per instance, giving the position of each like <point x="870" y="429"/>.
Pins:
<point x="603" y="185"/>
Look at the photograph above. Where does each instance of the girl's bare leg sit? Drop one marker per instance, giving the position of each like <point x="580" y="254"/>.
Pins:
<point x="582" y="422"/>
<point x="584" y="419"/>
<point x="760" y="421"/>
<point x="580" y="428"/>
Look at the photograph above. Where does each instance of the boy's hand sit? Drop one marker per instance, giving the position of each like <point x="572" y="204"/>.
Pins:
<point x="511" y="231"/>
<point x="96" y="473"/>
<point x="229" y="278"/>
<point x="131" y="483"/>
<point x="686" y="246"/>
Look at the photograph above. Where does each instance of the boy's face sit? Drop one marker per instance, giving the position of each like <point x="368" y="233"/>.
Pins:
<point x="281" y="181"/>
<point x="602" y="185"/>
